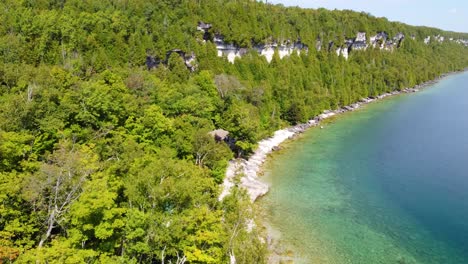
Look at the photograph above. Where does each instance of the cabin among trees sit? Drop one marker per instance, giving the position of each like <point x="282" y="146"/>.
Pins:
<point x="219" y="135"/>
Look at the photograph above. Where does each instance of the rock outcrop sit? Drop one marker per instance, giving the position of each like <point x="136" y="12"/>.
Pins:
<point x="232" y="51"/>
<point x="189" y="59"/>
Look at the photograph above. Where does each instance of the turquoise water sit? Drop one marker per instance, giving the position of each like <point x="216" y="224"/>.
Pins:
<point x="385" y="184"/>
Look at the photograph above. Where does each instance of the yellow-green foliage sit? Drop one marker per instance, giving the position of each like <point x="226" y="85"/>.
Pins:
<point x="104" y="161"/>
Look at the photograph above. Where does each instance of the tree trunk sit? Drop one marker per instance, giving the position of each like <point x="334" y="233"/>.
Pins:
<point x="49" y="229"/>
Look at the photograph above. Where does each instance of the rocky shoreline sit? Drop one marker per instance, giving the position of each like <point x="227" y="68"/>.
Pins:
<point x="248" y="169"/>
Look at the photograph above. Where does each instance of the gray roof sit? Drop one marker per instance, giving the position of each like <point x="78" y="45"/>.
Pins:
<point x="219" y="133"/>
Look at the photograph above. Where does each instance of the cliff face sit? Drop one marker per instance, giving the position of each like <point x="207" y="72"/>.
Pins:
<point x="232" y="51"/>
<point x="380" y="40"/>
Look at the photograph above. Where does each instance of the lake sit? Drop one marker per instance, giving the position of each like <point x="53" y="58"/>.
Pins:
<point x="384" y="184"/>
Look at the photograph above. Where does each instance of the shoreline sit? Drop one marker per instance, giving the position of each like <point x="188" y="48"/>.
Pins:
<point x="249" y="169"/>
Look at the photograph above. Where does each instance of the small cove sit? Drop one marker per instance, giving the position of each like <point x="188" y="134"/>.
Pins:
<point x="385" y="184"/>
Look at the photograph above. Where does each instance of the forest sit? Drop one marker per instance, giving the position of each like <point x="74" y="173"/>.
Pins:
<point x="105" y="161"/>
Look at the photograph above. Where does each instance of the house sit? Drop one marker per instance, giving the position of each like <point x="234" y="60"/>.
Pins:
<point x="220" y="135"/>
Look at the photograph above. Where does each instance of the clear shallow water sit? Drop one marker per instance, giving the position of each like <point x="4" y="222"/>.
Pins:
<point x="386" y="184"/>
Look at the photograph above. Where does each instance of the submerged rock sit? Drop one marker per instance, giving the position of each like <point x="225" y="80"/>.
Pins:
<point x="276" y="148"/>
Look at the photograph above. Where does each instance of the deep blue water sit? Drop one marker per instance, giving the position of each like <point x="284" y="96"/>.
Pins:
<point x="386" y="184"/>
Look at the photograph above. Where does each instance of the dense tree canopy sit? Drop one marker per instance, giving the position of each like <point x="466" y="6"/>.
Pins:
<point x="102" y="160"/>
